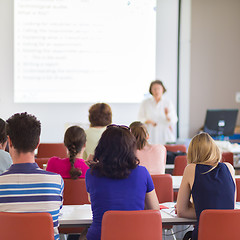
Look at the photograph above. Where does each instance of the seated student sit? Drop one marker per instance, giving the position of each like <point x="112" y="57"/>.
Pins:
<point x="27" y="187"/>
<point x="100" y="115"/>
<point x="153" y="157"/>
<point x="5" y="159"/>
<point x="73" y="167"/>
<point x="210" y="182"/>
<point x="115" y="181"/>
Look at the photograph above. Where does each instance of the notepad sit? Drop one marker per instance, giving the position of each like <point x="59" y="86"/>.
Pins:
<point x="162" y="207"/>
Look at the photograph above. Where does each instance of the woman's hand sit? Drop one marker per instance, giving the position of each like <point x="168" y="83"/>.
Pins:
<point x="151" y="122"/>
<point x="90" y="160"/>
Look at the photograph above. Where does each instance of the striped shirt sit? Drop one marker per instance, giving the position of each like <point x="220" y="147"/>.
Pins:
<point x="27" y="188"/>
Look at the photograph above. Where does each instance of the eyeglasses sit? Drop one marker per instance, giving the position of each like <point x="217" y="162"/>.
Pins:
<point x="119" y="126"/>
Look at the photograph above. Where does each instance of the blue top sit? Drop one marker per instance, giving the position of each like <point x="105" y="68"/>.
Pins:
<point x="116" y="194"/>
<point x="212" y="190"/>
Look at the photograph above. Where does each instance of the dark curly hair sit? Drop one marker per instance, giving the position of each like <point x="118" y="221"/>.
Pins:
<point x="115" y="153"/>
<point x="24" y="131"/>
<point x="140" y="132"/>
<point x="157" y="82"/>
<point x="74" y="140"/>
<point x="100" y="115"/>
<point x="3" y="134"/>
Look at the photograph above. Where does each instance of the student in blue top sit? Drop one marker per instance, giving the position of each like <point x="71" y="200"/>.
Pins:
<point x="115" y="181"/>
<point x="207" y="183"/>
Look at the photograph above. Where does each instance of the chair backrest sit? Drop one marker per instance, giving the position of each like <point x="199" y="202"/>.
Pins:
<point x="26" y="226"/>
<point x="75" y="192"/>
<point x="129" y="225"/>
<point x="47" y="150"/>
<point x="176" y="147"/>
<point x="41" y="161"/>
<point x="227" y="157"/>
<point x="238" y="188"/>
<point x="219" y="224"/>
<point x="180" y="163"/>
<point x="163" y="187"/>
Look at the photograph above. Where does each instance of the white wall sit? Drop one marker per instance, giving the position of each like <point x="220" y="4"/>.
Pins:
<point x="215" y="58"/>
<point x="54" y="117"/>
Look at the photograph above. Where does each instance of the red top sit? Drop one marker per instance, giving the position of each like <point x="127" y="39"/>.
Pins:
<point x="62" y="166"/>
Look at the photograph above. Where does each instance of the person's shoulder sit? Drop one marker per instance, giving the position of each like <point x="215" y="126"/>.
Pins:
<point x="158" y="147"/>
<point x="190" y="169"/>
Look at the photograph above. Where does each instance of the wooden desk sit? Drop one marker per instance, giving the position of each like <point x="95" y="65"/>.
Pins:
<point x="81" y="215"/>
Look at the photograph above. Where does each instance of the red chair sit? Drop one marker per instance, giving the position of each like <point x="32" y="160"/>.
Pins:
<point x="41" y="161"/>
<point x="129" y="225"/>
<point x="163" y="187"/>
<point x="47" y="150"/>
<point x="74" y="193"/>
<point x="26" y="226"/>
<point x="219" y="224"/>
<point x="227" y="157"/>
<point x="176" y="148"/>
<point x="180" y="163"/>
<point x="238" y="188"/>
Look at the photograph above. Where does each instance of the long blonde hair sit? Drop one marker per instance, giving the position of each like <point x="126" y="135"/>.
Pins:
<point x="202" y="149"/>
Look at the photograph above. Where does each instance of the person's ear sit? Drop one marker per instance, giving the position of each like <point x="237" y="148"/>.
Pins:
<point x="38" y="144"/>
<point x="9" y="141"/>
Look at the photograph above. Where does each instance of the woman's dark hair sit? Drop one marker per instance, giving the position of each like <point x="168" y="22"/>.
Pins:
<point x="115" y="153"/>
<point x="3" y="134"/>
<point x="74" y="140"/>
<point x="100" y="115"/>
<point x="157" y="82"/>
<point x="140" y="132"/>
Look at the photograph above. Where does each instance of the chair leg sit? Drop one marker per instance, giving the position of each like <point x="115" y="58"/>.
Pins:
<point x="173" y="235"/>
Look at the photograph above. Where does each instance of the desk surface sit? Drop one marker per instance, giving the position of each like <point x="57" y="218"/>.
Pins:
<point x="81" y="215"/>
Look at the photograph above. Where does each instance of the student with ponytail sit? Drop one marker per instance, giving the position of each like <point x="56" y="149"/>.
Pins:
<point x="73" y="167"/>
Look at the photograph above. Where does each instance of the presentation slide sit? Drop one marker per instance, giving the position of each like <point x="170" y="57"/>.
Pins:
<point x="83" y="51"/>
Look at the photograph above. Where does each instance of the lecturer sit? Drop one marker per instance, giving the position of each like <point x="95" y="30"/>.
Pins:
<point x="159" y="115"/>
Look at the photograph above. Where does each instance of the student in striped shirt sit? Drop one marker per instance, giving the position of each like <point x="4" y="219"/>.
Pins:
<point x="24" y="187"/>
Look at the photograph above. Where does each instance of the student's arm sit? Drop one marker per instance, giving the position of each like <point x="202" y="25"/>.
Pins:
<point x="89" y="199"/>
<point x="151" y="201"/>
<point x="184" y="206"/>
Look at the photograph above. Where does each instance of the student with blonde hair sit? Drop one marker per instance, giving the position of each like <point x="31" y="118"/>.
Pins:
<point x="207" y="183"/>
<point x="151" y="156"/>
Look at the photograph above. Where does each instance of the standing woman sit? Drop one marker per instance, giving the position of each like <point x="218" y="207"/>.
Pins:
<point x="73" y="167"/>
<point x="151" y="156"/>
<point x="159" y="115"/>
<point x="115" y="180"/>
<point x="207" y="183"/>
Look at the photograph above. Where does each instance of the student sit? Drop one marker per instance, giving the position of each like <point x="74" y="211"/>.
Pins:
<point x="159" y="114"/>
<point x="210" y="182"/>
<point x="100" y="115"/>
<point x="5" y="159"/>
<point x="27" y="187"/>
<point x="153" y="157"/>
<point x="73" y="167"/>
<point x="115" y="181"/>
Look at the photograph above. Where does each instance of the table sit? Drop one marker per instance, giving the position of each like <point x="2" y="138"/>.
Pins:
<point x="81" y="215"/>
<point x="178" y="179"/>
